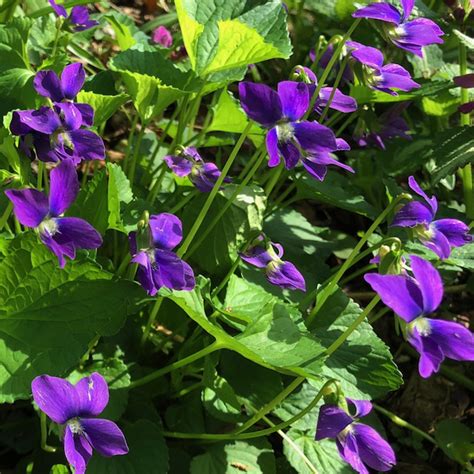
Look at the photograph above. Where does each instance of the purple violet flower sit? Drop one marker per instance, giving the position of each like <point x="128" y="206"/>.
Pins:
<point x="278" y="272"/>
<point x="376" y="75"/>
<point x="358" y="444"/>
<point x="412" y="298"/>
<point x="387" y="126"/>
<point x="466" y="82"/>
<point x="340" y="102"/>
<point x="281" y="112"/>
<point x="408" y="35"/>
<point x="55" y="134"/>
<point x="189" y="163"/>
<point x="79" y="16"/>
<point x="158" y="265"/>
<point x="438" y="235"/>
<point x="62" y="235"/>
<point x="162" y="36"/>
<point x="77" y="407"/>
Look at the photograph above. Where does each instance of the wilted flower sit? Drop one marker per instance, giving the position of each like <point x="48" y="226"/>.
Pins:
<point x="79" y="16"/>
<point x="189" y="163"/>
<point x="376" y="75"/>
<point x="162" y="36"/>
<point x="414" y="297"/>
<point x="438" y="235"/>
<point x="340" y="101"/>
<point x="281" y="112"/>
<point x="408" y="35"/>
<point x="466" y="82"/>
<point x="158" y="265"/>
<point x="62" y="235"/>
<point x="278" y="272"/>
<point x="358" y="444"/>
<point x="55" y="134"/>
<point x="77" y="407"/>
<point x="388" y="125"/>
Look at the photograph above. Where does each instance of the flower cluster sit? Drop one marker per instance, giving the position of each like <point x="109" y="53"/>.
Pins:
<point x="57" y="133"/>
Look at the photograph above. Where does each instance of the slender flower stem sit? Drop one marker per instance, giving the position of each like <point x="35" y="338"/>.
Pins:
<point x="136" y="152"/>
<point x="294" y="446"/>
<point x="215" y="346"/>
<point x="346" y="123"/>
<point x="39" y="182"/>
<point x="357" y="273"/>
<point x="404" y="424"/>
<point x="466" y="172"/>
<point x="184" y="201"/>
<point x="229" y="203"/>
<point x="274" y="177"/>
<point x="331" y="286"/>
<point x="343" y="337"/>
<point x="157" y="186"/>
<point x="210" y="199"/>
<point x="254" y="434"/>
<point x="271" y="405"/>
<point x="151" y="320"/>
<point x="44" y="435"/>
<point x="329" y="67"/>
<point x="378" y="315"/>
<point x="6" y="215"/>
<point x="340" y="73"/>
<point x="133" y="126"/>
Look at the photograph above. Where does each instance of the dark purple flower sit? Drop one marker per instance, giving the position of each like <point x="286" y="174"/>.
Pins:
<point x="466" y="82"/>
<point x="56" y="134"/>
<point x="412" y="298"/>
<point x="62" y="235"/>
<point x="358" y="444"/>
<point x="438" y="235"/>
<point x="387" y="126"/>
<point x="158" y="265"/>
<point x="79" y="17"/>
<point x="278" y="272"/>
<point x="376" y="75"/>
<point x="162" y="36"/>
<point x="189" y="163"/>
<point x="408" y="35"/>
<point x="340" y="102"/>
<point x="77" y="407"/>
<point x="281" y="112"/>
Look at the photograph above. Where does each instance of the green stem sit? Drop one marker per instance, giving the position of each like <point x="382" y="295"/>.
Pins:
<point x="270" y="405"/>
<point x="136" y="152"/>
<point x="275" y="176"/>
<point x="151" y="320"/>
<point x="404" y="424"/>
<point x="39" y="182"/>
<point x="210" y="199"/>
<point x="346" y="123"/>
<point x="184" y="201"/>
<point x="6" y="215"/>
<point x="123" y="266"/>
<point x="133" y="127"/>
<point x="378" y="315"/>
<point x="329" y="289"/>
<point x="253" y="434"/>
<point x="342" y="338"/>
<point x="297" y="449"/>
<point x="334" y="88"/>
<point x="229" y="203"/>
<point x="357" y="273"/>
<point x="329" y="67"/>
<point x="466" y="172"/>
<point x="157" y="186"/>
<point x="215" y="346"/>
<point x="44" y="435"/>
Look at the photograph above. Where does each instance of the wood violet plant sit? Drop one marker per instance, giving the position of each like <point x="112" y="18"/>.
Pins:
<point x="236" y="236"/>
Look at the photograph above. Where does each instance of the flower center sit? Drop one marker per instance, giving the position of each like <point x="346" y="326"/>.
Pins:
<point x="347" y="430"/>
<point x="48" y="227"/>
<point x="395" y="32"/>
<point x="423" y="232"/>
<point x="75" y="426"/>
<point x="422" y="325"/>
<point x="285" y="132"/>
